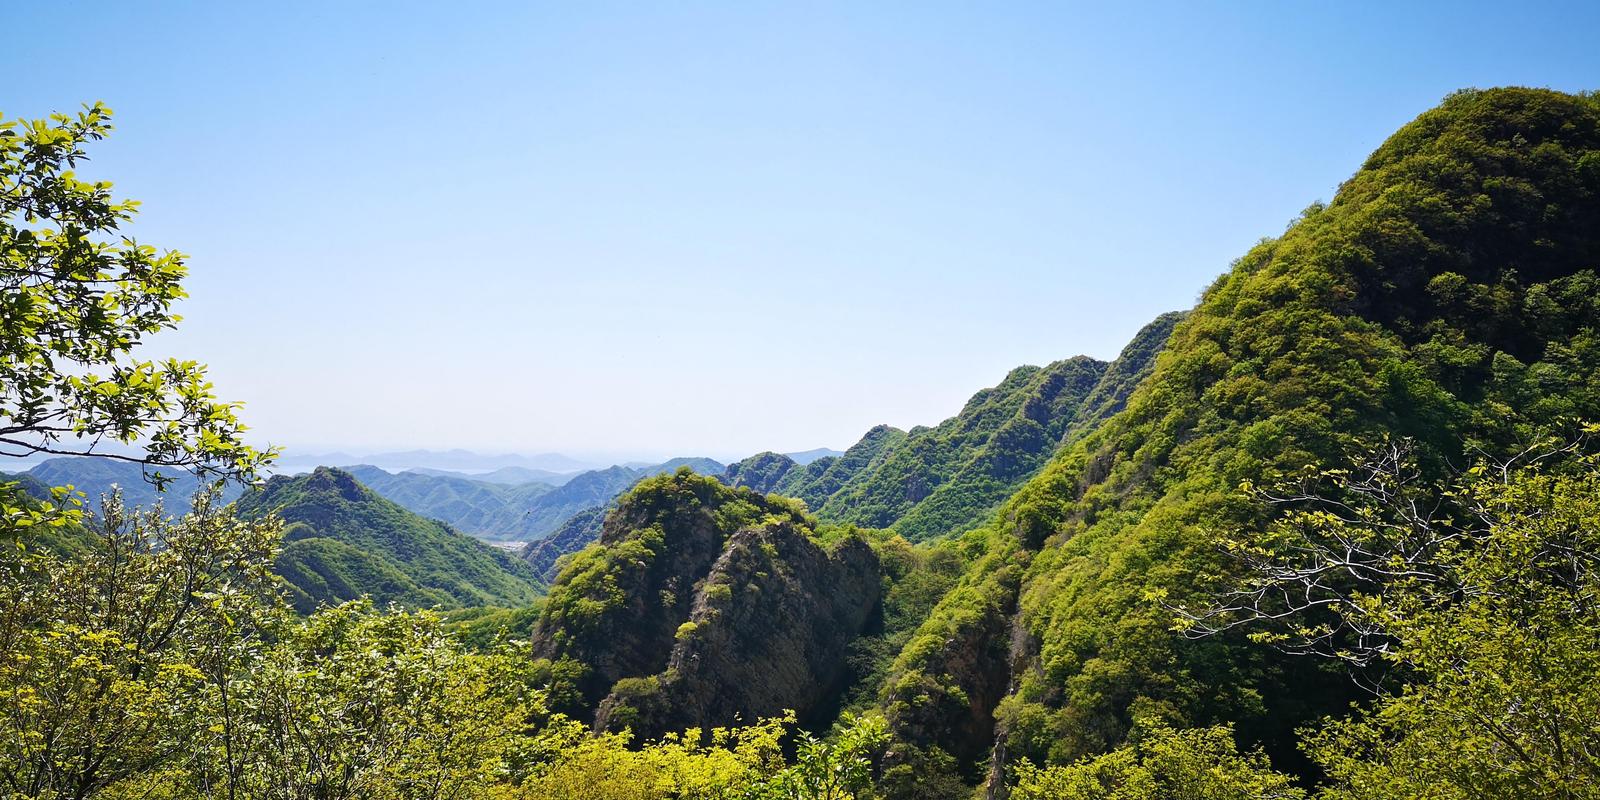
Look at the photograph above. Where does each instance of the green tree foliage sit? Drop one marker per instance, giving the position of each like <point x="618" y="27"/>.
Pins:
<point x="1486" y="604"/>
<point x="1446" y="298"/>
<point x="105" y="655"/>
<point x="354" y="703"/>
<point x="741" y="763"/>
<point x="839" y="768"/>
<point x="76" y="299"/>
<point x="1160" y="763"/>
<point x="343" y="542"/>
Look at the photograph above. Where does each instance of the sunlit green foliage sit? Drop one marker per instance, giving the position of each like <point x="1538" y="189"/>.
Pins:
<point x="105" y="654"/>
<point x="1160" y="763"/>
<point x="1446" y="297"/>
<point x="1501" y="654"/>
<point x="159" y="663"/>
<point x="76" y="299"/>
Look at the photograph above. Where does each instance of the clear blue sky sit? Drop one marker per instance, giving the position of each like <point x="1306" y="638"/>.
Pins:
<point x="714" y="228"/>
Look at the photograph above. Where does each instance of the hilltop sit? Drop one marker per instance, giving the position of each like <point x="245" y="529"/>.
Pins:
<point x="342" y="540"/>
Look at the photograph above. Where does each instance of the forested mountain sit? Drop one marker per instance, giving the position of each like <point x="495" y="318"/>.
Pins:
<point x="582" y="528"/>
<point x="1447" y="294"/>
<point x="478" y="508"/>
<point x="817" y="481"/>
<point x="761" y="472"/>
<point x="936" y="481"/>
<point x="343" y="541"/>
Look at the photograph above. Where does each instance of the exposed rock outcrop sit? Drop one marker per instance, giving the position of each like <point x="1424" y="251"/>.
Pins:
<point x="769" y="631"/>
<point x="704" y="604"/>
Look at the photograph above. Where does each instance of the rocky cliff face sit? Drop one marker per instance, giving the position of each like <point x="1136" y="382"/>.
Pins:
<point x="704" y="602"/>
<point x="768" y="631"/>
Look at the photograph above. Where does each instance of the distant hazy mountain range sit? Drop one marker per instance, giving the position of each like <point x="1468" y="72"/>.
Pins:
<point x="456" y="460"/>
<point x="494" y="509"/>
<point x="511" y="476"/>
<point x="511" y="512"/>
<point x="513" y="502"/>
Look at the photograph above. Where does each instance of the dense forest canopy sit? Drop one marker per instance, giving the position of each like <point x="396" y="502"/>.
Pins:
<point x="1332" y="533"/>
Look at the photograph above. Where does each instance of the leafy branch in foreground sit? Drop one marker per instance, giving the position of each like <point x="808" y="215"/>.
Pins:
<point x="76" y="299"/>
<point x="1354" y="544"/>
<point x="1488" y="602"/>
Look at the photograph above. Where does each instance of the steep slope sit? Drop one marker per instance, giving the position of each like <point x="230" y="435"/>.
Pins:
<point x="1003" y="436"/>
<point x="931" y="457"/>
<point x="821" y="479"/>
<point x="1132" y="365"/>
<point x="1058" y="409"/>
<point x="1447" y="294"/>
<point x="543" y="514"/>
<point x="579" y="531"/>
<point x="768" y="630"/>
<point x="946" y="479"/>
<point x="342" y="540"/>
<point x="641" y="612"/>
